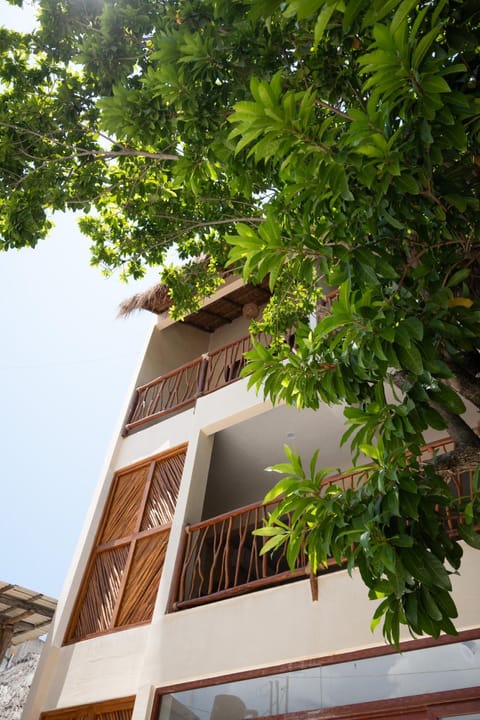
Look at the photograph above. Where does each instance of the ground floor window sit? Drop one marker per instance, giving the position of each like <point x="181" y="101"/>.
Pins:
<point x="416" y="681"/>
<point x="111" y="710"/>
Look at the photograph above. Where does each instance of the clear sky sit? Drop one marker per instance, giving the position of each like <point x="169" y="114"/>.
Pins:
<point x="66" y="363"/>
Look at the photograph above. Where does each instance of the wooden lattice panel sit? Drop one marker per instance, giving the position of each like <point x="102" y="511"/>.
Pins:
<point x="101" y="592"/>
<point x="162" y="497"/>
<point x="122" y="578"/>
<point x="124" y="505"/>
<point x="143" y="579"/>
<point x="110" y="710"/>
<point x="114" y="715"/>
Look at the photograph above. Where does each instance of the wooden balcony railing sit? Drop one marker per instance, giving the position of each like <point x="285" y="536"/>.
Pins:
<point x="181" y="387"/>
<point x="220" y="557"/>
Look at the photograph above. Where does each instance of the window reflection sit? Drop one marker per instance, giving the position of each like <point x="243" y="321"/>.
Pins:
<point x="446" y="667"/>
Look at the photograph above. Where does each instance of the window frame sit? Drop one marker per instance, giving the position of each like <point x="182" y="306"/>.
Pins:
<point x="429" y="706"/>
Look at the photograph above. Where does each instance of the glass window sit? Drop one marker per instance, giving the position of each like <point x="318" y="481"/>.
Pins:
<point x="446" y="667"/>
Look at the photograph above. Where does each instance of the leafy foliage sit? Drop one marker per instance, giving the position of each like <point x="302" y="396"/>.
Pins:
<point x="329" y="144"/>
<point x="387" y="526"/>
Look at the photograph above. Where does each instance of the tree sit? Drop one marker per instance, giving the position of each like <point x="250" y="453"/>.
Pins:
<point x="329" y="144"/>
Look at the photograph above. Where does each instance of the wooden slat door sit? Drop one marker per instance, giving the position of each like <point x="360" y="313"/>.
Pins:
<point x="123" y="574"/>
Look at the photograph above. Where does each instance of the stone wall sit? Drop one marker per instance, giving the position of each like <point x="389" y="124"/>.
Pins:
<point x="16" y="675"/>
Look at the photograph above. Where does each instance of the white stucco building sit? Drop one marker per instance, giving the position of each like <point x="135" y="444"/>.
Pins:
<point x="169" y="613"/>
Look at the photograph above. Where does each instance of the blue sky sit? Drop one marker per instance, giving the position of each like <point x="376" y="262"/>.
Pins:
<point x="66" y="363"/>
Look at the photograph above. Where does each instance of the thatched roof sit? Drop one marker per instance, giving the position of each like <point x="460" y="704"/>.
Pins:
<point x="209" y="317"/>
<point x="155" y="299"/>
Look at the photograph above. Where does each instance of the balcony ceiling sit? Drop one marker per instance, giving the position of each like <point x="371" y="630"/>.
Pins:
<point x="212" y="315"/>
<point x="242" y="452"/>
<point x="228" y="308"/>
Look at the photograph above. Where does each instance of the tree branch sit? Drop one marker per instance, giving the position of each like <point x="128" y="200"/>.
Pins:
<point x="462" y="459"/>
<point x="333" y="109"/>
<point x="464" y="382"/>
<point x="466" y="455"/>
<point x="85" y="152"/>
<point x="460" y="431"/>
<point x="129" y="152"/>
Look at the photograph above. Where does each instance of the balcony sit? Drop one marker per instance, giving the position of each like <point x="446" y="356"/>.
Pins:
<point x="181" y="387"/>
<point x="220" y="558"/>
<point x="217" y="367"/>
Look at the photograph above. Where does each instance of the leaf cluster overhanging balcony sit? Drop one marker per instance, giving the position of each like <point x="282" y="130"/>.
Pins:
<point x="181" y="387"/>
<point x="220" y="557"/>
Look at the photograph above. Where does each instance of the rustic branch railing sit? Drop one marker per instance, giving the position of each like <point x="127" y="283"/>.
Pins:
<point x="181" y="387"/>
<point x="172" y="391"/>
<point x="220" y="557"/>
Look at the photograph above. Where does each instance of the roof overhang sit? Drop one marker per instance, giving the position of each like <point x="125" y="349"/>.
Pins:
<point x="222" y="308"/>
<point x="26" y="613"/>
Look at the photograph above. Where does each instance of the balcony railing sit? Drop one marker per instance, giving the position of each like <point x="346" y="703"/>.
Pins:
<point x="220" y="557"/>
<point x="180" y="388"/>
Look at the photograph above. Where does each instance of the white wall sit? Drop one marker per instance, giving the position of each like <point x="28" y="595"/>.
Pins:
<point x="262" y="629"/>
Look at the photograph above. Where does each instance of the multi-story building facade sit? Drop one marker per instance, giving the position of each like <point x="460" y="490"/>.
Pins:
<point x="169" y="612"/>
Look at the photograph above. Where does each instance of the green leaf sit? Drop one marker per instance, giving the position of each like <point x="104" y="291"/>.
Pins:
<point x="273" y="543"/>
<point x="430" y="605"/>
<point x="458" y="277"/>
<point x="414" y="327"/>
<point x="434" y="84"/>
<point x="407" y="183"/>
<point x="322" y="20"/>
<point x="433" y="418"/>
<point x="394" y="222"/>
<point x="410" y="358"/>
<point x="404" y="9"/>
<point x="468" y="534"/>
<point x="370" y="451"/>
<point x="352" y="10"/>
<point x="447" y="397"/>
<point x="423" y="47"/>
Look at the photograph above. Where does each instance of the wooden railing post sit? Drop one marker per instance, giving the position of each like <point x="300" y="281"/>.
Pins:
<point x="129" y="413"/>
<point x="202" y="374"/>
<point x="175" y="593"/>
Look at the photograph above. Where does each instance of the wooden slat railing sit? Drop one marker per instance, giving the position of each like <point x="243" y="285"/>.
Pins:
<point x="173" y="391"/>
<point x="181" y="387"/>
<point x="225" y="364"/>
<point x="220" y="557"/>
